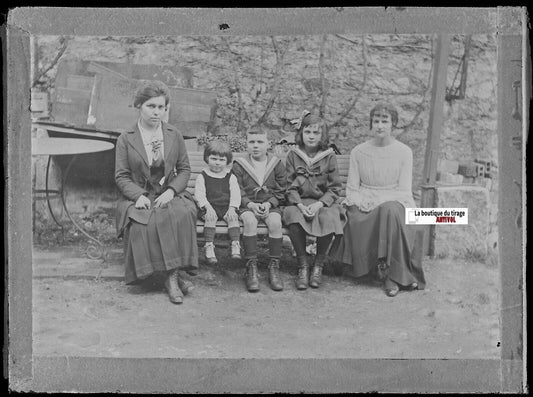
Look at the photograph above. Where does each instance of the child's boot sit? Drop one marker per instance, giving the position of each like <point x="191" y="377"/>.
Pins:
<point x="273" y="275"/>
<point x="235" y="249"/>
<point x="316" y="273"/>
<point x="210" y="257"/>
<point x="302" y="280"/>
<point x="252" y="279"/>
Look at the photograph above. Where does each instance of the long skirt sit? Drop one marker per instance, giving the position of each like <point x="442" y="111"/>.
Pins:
<point x="328" y="220"/>
<point x="381" y="233"/>
<point x="166" y="242"/>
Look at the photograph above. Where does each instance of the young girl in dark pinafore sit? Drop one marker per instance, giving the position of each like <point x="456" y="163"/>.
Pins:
<point x="313" y="188"/>
<point x="218" y="195"/>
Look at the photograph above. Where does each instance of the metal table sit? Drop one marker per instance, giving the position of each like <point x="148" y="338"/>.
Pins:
<point x="60" y="147"/>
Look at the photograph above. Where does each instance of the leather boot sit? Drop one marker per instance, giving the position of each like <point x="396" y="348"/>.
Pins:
<point x="302" y="279"/>
<point x="273" y="275"/>
<point x="173" y="289"/>
<point x="316" y="273"/>
<point x="252" y="280"/>
<point x="185" y="286"/>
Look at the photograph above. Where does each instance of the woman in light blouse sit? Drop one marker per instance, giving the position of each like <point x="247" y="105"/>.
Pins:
<point x="376" y="238"/>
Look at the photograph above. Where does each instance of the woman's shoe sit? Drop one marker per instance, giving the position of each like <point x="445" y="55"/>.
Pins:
<point x="382" y="270"/>
<point x="172" y="285"/>
<point x="185" y="286"/>
<point x="411" y="287"/>
<point x="391" y="288"/>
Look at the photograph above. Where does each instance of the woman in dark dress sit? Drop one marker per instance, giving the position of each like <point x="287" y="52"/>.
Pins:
<point x="155" y="214"/>
<point x="376" y="238"/>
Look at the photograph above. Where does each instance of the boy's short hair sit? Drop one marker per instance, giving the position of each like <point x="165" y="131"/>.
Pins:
<point x="384" y="107"/>
<point x="256" y="130"/>
<point x="218" y="148"/>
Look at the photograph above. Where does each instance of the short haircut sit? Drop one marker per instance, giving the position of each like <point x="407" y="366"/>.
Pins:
<point x="311" y="119"/>
<point x="256" y="130"/>
<point x="384" y="107"/>
<point x="151" y="89"/>
<point x="218" y="148"/>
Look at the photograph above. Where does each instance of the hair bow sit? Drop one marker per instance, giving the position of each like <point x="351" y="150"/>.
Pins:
<point x="297" y="123"/>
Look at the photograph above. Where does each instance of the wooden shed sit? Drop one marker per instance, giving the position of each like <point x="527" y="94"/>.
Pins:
<point x="94" y="100"/>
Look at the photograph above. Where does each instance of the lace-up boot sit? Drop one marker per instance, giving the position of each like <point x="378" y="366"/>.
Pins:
<point x="316" y="273"/>
<point x="252" y="279"/>
<point x="302" y="280"/>
<point x="172" y="285"/>
<point x="273" y="275"/>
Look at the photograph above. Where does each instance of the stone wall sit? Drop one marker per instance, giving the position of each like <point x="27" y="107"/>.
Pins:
<point x="270" y="80"/>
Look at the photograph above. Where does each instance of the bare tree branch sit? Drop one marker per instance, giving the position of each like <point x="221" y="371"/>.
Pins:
<point x="64" y="45"/>
<point x="274" y="90"/>
<point x="324" y="89"/>
<point x="363" y="84"/>
<point x="237" y="83"/>
<point x="420" y="106"/>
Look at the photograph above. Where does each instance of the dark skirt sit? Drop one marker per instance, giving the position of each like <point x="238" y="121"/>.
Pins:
<point x="167" y="241"/>
<point x="381" y="233"/>
<point x="329" y="220"/>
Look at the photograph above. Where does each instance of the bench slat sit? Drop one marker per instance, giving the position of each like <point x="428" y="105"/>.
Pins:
<point x="196" y="160"/>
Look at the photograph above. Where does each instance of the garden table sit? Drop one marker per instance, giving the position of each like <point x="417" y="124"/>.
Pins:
<point x="52" y="147"/>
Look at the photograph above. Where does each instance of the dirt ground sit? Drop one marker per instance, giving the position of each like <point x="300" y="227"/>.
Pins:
<point x="456" y="316"/>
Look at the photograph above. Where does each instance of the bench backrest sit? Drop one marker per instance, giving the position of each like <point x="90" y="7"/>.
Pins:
<point x="197" y="162"/>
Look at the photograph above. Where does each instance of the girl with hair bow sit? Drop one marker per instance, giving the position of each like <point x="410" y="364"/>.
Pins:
<point x="313" y="187"/>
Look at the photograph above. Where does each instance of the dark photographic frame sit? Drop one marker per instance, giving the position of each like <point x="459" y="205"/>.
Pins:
<point x="27" y="371"/>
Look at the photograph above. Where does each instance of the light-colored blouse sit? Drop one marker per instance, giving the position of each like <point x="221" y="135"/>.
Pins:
<point x="378" y="174"/>
<point x="149" y="139"/>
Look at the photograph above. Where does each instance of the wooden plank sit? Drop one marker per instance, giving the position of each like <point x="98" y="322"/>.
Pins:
<point x="94" y="67"/>
<point x="79" y="82"/>
<point x="72" y="95"/>
<point x="71" y="106"/>
<point x="436" y="118"/>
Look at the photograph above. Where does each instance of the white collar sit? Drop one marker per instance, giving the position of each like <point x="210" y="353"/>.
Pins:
<point x="248" y="166"/>
<point x="312" y="160"/>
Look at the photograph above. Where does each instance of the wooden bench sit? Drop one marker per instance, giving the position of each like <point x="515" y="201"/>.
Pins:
<point x="197" y="162"/>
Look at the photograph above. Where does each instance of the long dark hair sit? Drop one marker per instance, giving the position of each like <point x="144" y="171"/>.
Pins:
<point x="311" y="119"/>
<point x="151" y="89"/>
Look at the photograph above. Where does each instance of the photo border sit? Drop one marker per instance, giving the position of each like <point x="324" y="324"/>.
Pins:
<point x="87" y="374"/>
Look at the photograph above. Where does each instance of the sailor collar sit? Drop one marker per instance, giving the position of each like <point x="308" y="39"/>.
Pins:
<point x="246" y="163"/>
<point x="310" y="161"/>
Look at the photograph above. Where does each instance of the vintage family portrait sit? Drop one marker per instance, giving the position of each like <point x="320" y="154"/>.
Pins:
<point x="231" y="205"/>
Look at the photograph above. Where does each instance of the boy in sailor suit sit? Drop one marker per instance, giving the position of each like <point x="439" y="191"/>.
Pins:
<point x="262" y="180"/>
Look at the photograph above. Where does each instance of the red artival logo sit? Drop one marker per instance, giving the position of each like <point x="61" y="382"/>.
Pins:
<point x="445" y="219"/>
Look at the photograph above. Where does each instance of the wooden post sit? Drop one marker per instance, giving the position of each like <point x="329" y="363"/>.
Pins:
<point x="438" y="92"/>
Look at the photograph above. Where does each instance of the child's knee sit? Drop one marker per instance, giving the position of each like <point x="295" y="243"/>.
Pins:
<point x="274" y="224"/>
<point x="249" y="221"/>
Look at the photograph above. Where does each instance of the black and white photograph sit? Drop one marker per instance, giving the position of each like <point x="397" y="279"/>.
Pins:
<point x="235" y="200"/>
